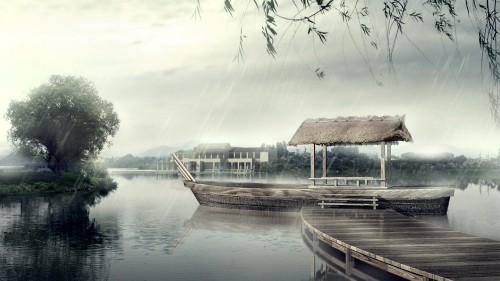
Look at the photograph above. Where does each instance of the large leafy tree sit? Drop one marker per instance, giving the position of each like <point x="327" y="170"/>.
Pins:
<point x="63" y="121"/>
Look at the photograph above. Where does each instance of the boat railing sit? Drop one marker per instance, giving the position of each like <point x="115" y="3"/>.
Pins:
<point x="182" y="169"/>
<point x="345" y="181"/>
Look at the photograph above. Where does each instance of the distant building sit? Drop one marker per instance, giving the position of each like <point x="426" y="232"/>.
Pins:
<point x="222" y="156"/>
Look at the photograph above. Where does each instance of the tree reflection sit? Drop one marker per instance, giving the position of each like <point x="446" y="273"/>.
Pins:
<point x="53" y="238"/>
<point x="490" y="183"/>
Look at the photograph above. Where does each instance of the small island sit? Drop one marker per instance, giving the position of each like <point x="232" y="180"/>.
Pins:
<point x="62" y="126"/>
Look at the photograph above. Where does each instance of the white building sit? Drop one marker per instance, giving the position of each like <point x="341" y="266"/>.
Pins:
<point x="222" y="156"/>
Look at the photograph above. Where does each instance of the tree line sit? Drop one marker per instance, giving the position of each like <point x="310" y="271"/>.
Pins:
<point x="348" y="161"/>
<point x="341" y="161"/>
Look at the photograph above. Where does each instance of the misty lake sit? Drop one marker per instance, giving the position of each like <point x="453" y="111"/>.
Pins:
<point x="152" y="228"/>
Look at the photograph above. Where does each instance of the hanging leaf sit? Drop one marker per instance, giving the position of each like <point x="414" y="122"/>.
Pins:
<point x="320" y="73"/>
<point x="365" y="29"/>
<point x="228" y="7"/>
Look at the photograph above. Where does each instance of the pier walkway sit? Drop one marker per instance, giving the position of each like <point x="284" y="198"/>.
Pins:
<point x="401" y="245"/>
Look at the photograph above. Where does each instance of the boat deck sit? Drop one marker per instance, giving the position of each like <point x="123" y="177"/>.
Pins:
<point x="407" y="200"/>
<point x="403" y="245"/>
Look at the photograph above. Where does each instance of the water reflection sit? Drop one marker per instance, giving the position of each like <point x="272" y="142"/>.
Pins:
<point x="166" y="235"/>
<point x="473" y="209"/>
<point x="152" y="228"/>
<point x="243" y="221"/>
<point x="51" y="238"/>
<point x="463" y="184"/>
<point x="246" y="244"/>
<point x="328" y="264"/>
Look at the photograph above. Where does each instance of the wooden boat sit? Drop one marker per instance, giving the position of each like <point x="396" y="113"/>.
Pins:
<point x="406" y="200"/>
<point x="384" y="131"/>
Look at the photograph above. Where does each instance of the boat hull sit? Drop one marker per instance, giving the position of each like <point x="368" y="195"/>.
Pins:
<point x="406" y="200"/>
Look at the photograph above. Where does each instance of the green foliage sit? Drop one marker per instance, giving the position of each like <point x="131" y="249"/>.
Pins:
<point x="395" y="14"/>
<point x="321" y="34"/>
<point x="228" y="7"/>
<point x="281" y="149"/>
<point x="319" y="73"/>
<point x="310" y="12"/>
<point x="33" y="182"/>
<point x="482" y="13"/>
<point x="348" y="161"/>
<point x="63" y="121"/>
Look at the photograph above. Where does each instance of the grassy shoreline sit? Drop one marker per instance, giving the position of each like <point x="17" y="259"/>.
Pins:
<point x="30" y="182"/>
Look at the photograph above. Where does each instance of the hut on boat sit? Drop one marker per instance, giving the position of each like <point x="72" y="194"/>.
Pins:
<point x="370" y="130"/>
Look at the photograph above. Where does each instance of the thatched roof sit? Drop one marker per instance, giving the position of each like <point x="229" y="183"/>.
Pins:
<point x="352" y="130"/>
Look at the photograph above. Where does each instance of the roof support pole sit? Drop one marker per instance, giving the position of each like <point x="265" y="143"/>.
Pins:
<point x="313" y="152"/>
<point x="389" y="164"/>
<point x="382" y="164"/>
<point x="324" y="160"/>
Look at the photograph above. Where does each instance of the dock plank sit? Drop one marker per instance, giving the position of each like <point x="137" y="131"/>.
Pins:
<point x="409" y="244"/>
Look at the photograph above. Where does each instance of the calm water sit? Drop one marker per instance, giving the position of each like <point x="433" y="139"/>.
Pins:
<point x="474" y="209"/>
<point x="153" y="229"/>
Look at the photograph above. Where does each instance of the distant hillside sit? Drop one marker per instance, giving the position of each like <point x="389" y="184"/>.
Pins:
<point x="163" y="150"/>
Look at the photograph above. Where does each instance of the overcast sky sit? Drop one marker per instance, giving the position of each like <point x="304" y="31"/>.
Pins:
<point x="173" y="79"/>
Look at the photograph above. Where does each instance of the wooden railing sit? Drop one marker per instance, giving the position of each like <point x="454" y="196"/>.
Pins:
<point x="339" y="181"/>
<point x="182" y="169"/>
<point x="339" y="200"/>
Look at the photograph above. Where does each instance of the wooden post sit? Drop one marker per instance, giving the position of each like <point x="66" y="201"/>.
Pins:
<point x="315" y="242"/>
<point x="313" y="151"/>
<point x="389" y="164"/>
<point x="313" y="267"/>
<point x="324" y="160"/>
<point x="348" y="262"/>
<point x="382" y="164"/>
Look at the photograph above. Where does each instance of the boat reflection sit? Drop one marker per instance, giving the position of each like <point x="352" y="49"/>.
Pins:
<point x="243" y="220"/>
<point x="240" y="221"/>
<point x="269" y="222"/>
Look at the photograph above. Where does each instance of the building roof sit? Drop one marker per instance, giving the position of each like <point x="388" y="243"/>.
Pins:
<point x="212" y="147"/>
<point x="246" y="149"/>
<point x="184" y="151"/>
<point x="352" y="130"/>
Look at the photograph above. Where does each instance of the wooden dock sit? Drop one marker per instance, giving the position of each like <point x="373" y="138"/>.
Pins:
<point x="401" y="245"/>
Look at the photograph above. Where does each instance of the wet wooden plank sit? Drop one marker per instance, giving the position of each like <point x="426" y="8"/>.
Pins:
<point x="477" y="278"/>
<point x="385" y="236"/>
<point x="462" y="270"/>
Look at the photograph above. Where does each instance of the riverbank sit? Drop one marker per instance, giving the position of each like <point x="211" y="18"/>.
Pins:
<point x="35" y="182"/>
